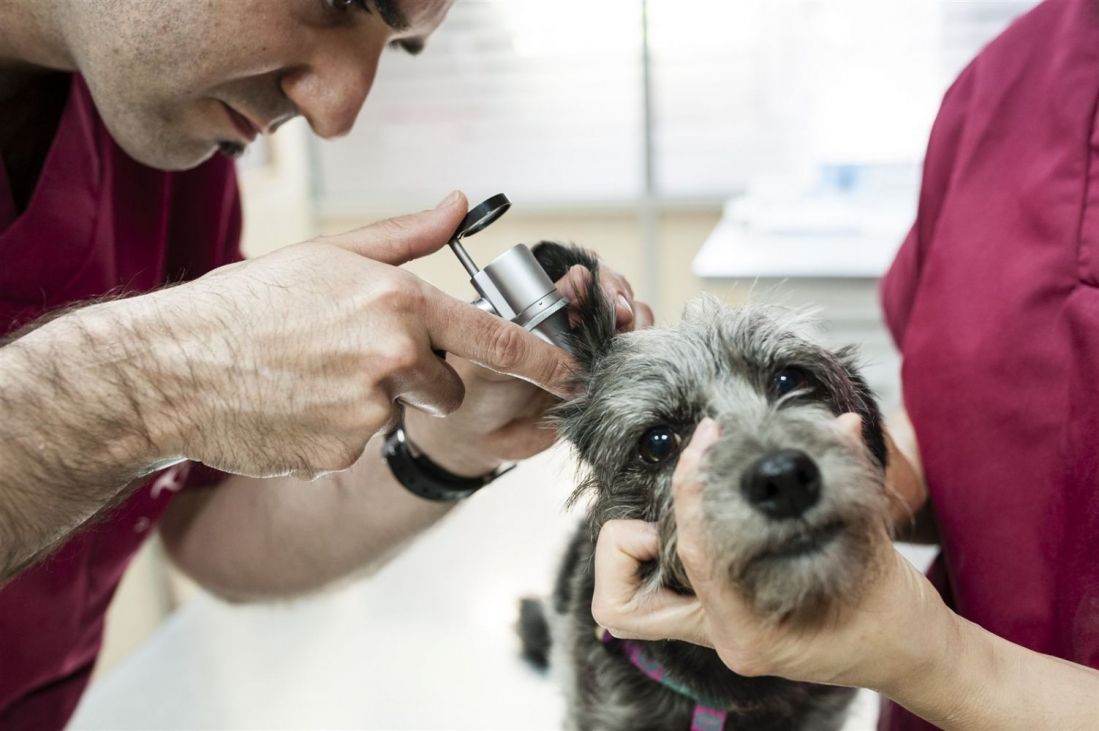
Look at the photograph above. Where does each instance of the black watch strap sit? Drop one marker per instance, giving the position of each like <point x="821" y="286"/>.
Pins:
<point x="426" y="479"/>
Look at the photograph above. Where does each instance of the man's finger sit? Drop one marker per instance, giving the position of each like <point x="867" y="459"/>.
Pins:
<point x="574" y="285"/>
<point x="404" y="238"/>
<point x="618" y="291"/>
<point x="495" y="343"/>
<point x="623" y="313"/>
<point x="643" y="315"/>
<point x="433" y="386"/>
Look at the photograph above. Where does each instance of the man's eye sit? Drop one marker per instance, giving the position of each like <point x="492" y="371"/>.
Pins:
<point x="342" y="6"/>
<point x="658" y="445"/>
<point x="790" y="379"/>
<point x="411" y="46"/>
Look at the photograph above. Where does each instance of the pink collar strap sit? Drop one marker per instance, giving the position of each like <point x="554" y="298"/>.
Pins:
<point x="707" y="715"/>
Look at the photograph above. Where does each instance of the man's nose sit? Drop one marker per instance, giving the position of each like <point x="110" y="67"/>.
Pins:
<point x="782" y="484"/>
<point x="330" y="92"/>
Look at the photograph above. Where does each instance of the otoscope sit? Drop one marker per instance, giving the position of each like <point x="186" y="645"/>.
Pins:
<point x="513" y="285"/>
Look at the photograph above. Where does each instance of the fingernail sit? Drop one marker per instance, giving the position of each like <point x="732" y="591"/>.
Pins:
<point x="449" y="200"/>
<point x="625" y="303"/>
<point x="850" y="424"/>
<point x="707" y="429"/>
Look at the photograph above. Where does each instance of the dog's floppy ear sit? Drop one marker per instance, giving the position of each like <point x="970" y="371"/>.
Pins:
<point x="863" y="403"/>
<point x="592" y="315"/>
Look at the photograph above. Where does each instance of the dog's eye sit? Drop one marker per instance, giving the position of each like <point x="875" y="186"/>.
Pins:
<point x="788" y="380"/>
<point x="659" y="444"/>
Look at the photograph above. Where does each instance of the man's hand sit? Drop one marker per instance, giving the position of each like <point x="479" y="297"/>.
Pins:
<point x="287" y="364"/>
<point x="253" y="539"/>
<point x="501" y="419"/>
<point x="284" y="365"/>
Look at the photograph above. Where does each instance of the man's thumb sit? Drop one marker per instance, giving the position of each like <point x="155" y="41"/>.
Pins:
<point x="404" y="238"/>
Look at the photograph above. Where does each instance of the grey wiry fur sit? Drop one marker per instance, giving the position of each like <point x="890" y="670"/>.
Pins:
<point x="719" y="362"/>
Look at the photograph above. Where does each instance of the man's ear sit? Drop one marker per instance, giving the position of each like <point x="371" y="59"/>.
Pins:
<point x="863" y="403"/>
<point x="592" y="314"/>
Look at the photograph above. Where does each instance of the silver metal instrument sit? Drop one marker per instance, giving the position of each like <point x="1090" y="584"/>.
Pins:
<point x="513" y="285"/>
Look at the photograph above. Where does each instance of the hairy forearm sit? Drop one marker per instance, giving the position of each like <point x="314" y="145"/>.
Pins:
<point x="980" y="681"/>
<point x="252" y="539"/>
<point x="76" y="427"/>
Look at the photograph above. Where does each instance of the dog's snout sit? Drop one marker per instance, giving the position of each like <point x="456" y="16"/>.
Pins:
<point x="782" y="484"/>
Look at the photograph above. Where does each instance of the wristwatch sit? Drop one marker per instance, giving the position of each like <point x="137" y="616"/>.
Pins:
<point x="424" y="478"/>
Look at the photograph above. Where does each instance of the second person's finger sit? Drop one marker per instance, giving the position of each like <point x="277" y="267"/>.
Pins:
<point x="687" y="499"/>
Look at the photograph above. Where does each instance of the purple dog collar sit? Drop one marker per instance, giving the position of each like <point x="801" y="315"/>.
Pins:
<point x="706" y="716"/>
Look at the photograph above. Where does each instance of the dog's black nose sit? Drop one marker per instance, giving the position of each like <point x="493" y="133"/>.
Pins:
<point x="782" y="484"/>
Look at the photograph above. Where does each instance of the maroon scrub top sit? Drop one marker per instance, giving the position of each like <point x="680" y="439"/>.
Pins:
<point x="97" y="221"/>
<point x="993" y="301"/>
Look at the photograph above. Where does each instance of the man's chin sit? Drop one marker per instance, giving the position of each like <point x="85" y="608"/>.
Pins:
<point x="171" y="158"/>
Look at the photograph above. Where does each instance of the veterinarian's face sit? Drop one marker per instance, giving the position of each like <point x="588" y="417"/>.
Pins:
<point x="176" y="79"/>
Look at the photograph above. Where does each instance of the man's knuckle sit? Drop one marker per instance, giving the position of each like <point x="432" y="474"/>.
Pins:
<point x="395" y="291"/>
<point x="387" y="362"/>
<point x="377" y="413"/>
<point x="401" y="355"/>
<point x="559" y="372"/>
<point x="507" y="348"/>
<point x="603" y="612"/>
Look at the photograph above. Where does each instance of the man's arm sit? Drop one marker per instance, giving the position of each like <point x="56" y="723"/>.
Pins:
<point x="79" y="424"/>
<point x="253" y="539"/>
<point x="285" y="364"/>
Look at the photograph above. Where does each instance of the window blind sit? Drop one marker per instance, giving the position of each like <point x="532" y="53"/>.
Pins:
<point x="544" y="100"/>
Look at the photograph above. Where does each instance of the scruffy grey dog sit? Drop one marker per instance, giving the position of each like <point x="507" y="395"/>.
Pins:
<point x="790" y="502"/>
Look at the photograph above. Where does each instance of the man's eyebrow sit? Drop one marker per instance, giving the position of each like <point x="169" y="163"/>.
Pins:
<point x="392" y="15"/>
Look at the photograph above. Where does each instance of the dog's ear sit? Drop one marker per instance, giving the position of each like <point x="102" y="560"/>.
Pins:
<point x="863" y="403"/>
<point x="592" y="315"/>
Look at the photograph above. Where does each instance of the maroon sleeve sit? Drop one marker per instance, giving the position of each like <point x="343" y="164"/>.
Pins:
<point x="206" y="220"/>
<point x="900" y="285"/>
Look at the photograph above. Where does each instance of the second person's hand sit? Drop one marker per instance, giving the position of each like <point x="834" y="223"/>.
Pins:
<point x="867" y="643"/>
